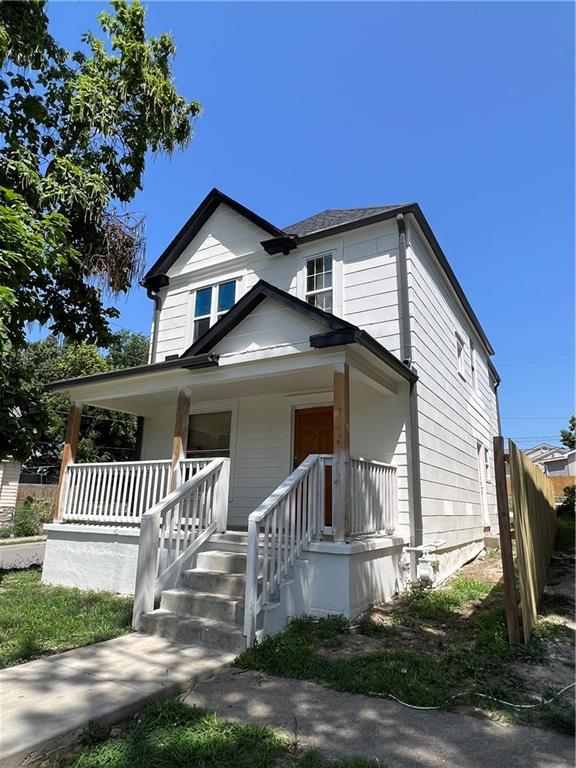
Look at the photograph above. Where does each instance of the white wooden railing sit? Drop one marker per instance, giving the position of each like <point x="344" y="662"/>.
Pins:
<point x="174" y="529"/>
<point x="277" y="533"/>
<point x="374" y="493"/>
<point x="119" y="492"/>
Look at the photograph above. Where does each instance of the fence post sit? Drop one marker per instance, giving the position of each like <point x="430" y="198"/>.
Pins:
<point x="510" y="595"/>
<point x="222" y="493"/>
<point x="147" y="567"/>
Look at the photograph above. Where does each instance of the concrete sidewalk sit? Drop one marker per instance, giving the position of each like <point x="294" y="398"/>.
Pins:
<point x="347" y="725"/>
<point x="46" y="704"/>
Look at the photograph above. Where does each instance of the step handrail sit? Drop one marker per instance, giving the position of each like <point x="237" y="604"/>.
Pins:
<point x="174" y="528"/>
<point x="289" y="518"/>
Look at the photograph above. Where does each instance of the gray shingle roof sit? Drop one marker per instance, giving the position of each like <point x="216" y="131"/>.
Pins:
<point x="332" y="217"/>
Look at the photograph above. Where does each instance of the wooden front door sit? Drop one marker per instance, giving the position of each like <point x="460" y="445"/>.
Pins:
<point x="314" y="433"/>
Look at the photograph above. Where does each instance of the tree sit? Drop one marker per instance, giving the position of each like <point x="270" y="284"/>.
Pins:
<point x="568" y="436"/>
<point x="104" y="435"/>
<point x="75" y="132"/>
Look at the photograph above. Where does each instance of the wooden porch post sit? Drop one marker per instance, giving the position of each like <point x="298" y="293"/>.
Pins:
<point x="180" y="440"/>
<point x="341" y="492"/>
<point x="68" y="455"/>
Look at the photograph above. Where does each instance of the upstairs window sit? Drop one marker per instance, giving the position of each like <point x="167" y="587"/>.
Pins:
<point x="473" y="367"/>
<point x="319" y="282"/>
<point x="460" y="355"/>
<point x="210" y="304"/>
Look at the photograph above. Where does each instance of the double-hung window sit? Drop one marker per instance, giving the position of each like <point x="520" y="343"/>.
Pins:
<point x="319" y="282"/>
<point x="210" y="304"/>
<point x="460" y="356"/>
<point x="473" y="367"/>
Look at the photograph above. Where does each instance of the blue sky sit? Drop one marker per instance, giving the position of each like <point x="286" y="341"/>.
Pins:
<point x="467" y="108"/>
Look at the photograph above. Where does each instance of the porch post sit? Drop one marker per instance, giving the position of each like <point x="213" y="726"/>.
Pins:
<point x="180" y="439"/>
<point x="341" y="492"/>
<point x="68" y="455"/>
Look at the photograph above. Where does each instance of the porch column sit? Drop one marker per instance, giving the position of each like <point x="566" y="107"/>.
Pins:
<point x="341" y="491"/>
<point x="180" y="439"/>
<point x="68" y="455"/>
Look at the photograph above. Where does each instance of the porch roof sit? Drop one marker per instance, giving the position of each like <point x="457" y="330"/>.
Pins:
<point x="139" y="389"/>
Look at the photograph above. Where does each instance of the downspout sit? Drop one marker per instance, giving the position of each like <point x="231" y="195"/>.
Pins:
<point x="153" y="285"/>
<point x="414" y="483"/>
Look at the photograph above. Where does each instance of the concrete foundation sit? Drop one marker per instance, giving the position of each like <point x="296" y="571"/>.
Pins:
<point x="95" y="557"/>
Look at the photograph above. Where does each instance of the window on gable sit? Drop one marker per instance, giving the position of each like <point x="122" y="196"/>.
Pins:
<point x="210" y="304"/>
<point x="460" y="355"/>
<point x="319" y="282"/>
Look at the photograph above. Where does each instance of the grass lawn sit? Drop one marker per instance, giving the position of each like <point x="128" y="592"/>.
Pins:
<point x="423" y="648"/>
<point x="37" y="620"/>
<point x="168" y="733"/>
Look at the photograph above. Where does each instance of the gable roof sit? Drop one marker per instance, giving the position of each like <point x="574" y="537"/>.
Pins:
<point x="331" y="221"/>
<point x="339" y="332"/>
<point x="207" y="207"/>
<point x="333" y="217"/>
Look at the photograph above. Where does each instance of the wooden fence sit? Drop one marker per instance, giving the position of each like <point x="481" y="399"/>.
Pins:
<point x="559" y="482"/>
<point x="535" y="519"/>
<point x="36" y="491"/>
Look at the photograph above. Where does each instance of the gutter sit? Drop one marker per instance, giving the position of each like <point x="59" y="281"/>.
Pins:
<point x="152" y="286"/>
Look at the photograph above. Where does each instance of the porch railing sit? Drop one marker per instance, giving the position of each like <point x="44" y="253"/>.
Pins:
<point x="119" y="492"/>
<point x="374" y="492"/>
<point x="175" y="528"/>
<point x="277" y="533"/>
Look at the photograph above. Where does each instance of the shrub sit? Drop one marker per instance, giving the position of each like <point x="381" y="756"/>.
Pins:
<point x="568" y="502"/>
<point x="5" y="533"/>
<point x="26" y="522"/>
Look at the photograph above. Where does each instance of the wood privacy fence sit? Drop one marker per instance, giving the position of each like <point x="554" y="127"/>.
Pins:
<point x="535" y="519"/>
<point x="36" y="491"/>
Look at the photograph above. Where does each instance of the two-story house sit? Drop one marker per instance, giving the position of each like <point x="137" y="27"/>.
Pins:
<point x="319" y="403"/>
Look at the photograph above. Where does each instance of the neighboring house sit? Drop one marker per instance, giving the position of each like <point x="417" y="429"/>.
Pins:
<point x="336" y="373"/>
<point x="9" y="474"/>
<point x="560" y="466"/>
<point x="542" y="453"/>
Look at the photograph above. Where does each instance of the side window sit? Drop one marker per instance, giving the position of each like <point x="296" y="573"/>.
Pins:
<point x="473" y="367"/>
<point x="318" y="291"/>
<point x="210" y="304"/>
<point x="460" y="355"/>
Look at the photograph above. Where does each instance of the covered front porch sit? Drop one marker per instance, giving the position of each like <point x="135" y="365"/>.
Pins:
<point x="306" y="453"/>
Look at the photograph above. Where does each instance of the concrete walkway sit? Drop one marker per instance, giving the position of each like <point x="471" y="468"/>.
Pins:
<point x="345" y="725"/>
<point x="46" y="704"/>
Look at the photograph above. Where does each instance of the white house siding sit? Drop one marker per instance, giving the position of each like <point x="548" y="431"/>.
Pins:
<point x="452" y="418"/>
<point x="271" y="329"/>
<point x="9" y="475"/>
<point x="228" y="247"/>
<point x="261" y="441"/>
<point x="370" y="283"/>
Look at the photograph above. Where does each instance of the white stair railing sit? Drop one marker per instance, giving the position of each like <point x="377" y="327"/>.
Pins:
<point x="119" y="492"/>
<point x="278" y="530"/>
<point x="374" y="497"/>
<point x="175" y="528"/>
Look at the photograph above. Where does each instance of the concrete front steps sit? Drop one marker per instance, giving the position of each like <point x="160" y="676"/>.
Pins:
<point x="207" y="606"/>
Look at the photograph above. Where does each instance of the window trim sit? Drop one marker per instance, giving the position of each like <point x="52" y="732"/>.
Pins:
<point x="214" y="315"/>
<point x="460" y="360"/>
<point x="474" y="368"/>
<point x="215" y="406"/>
<point x="318" y="291"/>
